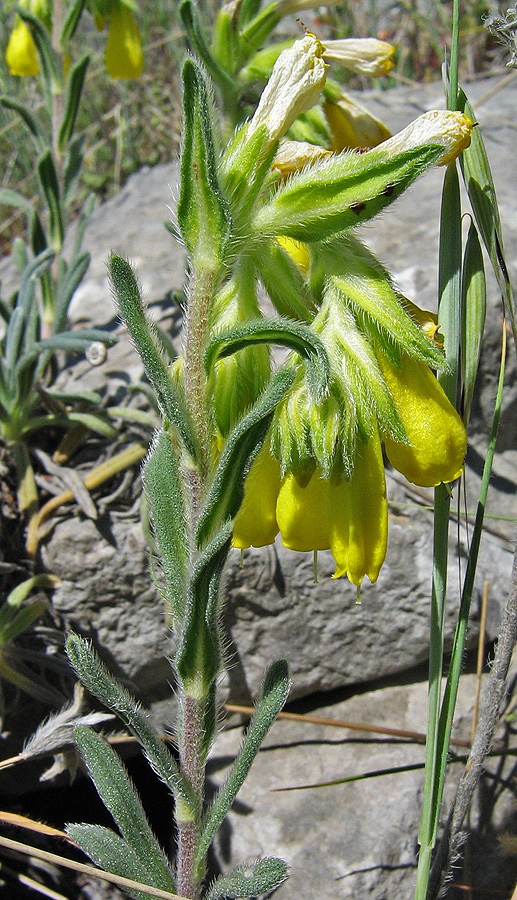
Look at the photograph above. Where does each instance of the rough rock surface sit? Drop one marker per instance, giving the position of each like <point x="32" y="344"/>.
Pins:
<point x="357" y="839"/>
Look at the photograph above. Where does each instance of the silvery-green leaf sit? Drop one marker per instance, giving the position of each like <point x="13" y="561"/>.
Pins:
<point x="250" y="881"/>
<point x="163" y="484"/>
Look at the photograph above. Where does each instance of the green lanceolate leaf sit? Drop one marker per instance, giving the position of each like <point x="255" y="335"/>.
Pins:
<point x="73" y="99"/>
<point x="248" y="10"/>
<point x="13" y="198"/>
<point x="250" y="881"/>
<point x="274" y="695"/>
<point x="199" y="652"/>
<point x="473" y="284"/>
<point x="227" y="489"/>
<point x="225" y="41"/>
<point x="118" y="794"/>
<point x="67" y="286"/>
<point x="202" y="211"/>
<point x="283" y="332"/>
<point x="258" y="29"/>
<point x="196" y="38"/>
<point x="284" y="282"/>
<point x="102" y="685"/>
<point x="50" y="186"/>
<point x="23" y="620"/>
<point x="163" y="484"/>
<point x="113" y="854"/>
<point x="127" y="294"/>
<point x="72" y="168"/>
<point x="27" y="117"/>
<point x="341" y="192"/>
<point x="449" y="278"/>
<point x="73" y="15"/>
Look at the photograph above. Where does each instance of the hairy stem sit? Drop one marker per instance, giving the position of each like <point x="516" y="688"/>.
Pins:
<point x="196" y="328"/>
<point x="192" y="762"/>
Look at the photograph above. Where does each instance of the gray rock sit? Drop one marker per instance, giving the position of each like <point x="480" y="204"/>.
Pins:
<point x="355" y="839"/>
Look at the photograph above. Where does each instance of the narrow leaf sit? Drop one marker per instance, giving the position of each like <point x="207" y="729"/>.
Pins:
<point x="163" y="484"/>
<point x="23" y="620"/>
<point x="73" y="15"/>
<point x="482" y="195"/>
<point x="198" y="658"/>
<point x="50" y="186"/>
<point x="13" y="198"/>
<point x="227" y="489"/>
<point x="127" y="294"/>
<point x="250" y="881"/>
<point x="473" y="320"/>
<point x="67" y="287"/>
<point x="115" y="697"/>
<point x="113" y="854"/>
<point x="274" y="695"/>
<point x="29" y="120"/>
<point x="284" y="282"/>
<point x="50" y="65"/>
<point x="72" y="168"/>
<point x="73" y="98"/>
<point x="283" y="332"/>
<point x="195" y="35"/>
<point x="118" y="794"/>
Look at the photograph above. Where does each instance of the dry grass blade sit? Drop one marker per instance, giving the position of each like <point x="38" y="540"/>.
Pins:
<point x="94" y="479"/>
<point x="87" y="870"/>
<point x="343" y="723"/>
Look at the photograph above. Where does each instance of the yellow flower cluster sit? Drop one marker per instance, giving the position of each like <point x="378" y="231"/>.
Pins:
<point x="124" y="56"/>
<point x="350" y="518"/>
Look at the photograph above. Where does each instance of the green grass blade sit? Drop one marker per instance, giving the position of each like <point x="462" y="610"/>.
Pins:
<point x="451" y="688"/>
<point x="473" y="289"/>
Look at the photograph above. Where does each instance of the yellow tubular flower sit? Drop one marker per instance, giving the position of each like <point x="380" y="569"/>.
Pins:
<point x="351" y="125"/>
<point x="437" y="437"/>
<point x="255" y="524"/>
<point x="298" y="251"/>
<point x="303" y="514"/>
<point x="21" y="55"/>
<point x="359" y="516"/>
<point x="124" y="57"/>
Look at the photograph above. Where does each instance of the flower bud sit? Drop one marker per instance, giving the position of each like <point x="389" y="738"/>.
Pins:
<point x="448" y="129"/>
<point x="366" y="56"/>
<point x="352" y="125"/>
<point x="21" y="55"/>
<point x="124" y="57"/>
<point x="295" y="85"/>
